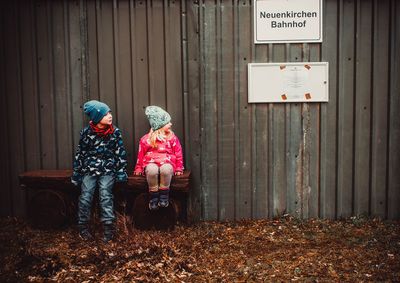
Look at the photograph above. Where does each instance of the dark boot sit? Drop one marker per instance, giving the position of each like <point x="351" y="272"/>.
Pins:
<point x="109" y="232"/>
<point x="164" y="198"/>
<point x="153" y="203"/>
<point x="84" y="233"/>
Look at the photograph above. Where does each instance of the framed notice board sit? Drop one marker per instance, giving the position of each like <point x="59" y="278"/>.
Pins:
<point x="288" y="82"/>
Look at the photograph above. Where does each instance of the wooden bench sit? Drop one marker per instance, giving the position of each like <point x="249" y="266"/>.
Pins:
<point x="52" y="200"/>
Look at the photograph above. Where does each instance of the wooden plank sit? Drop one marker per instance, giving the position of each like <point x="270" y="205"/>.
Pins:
<point x="81" y="8"/>
<point x="47" y="179"/>
<point x="61" y="95"/>
<point x="271" y="180"/>
<point x="346" y="109"/>
<point x="305" y="191"/>
<point x="311" y="186"/>
<point x="156" y="39"/>
<point x="225" y="104"/>
<point x="29" y="85"/>
<point x="61" y="179"/>
<point x="261" y="147"/>
<point x="140" y="70"/>
<point x="328" y="170"/>
<point x="75" y="91"/>
<point x="15" y="149"/>
<point x="106" y="59"/>
<point x="363" y="108"/>
<point x="209" y="138"/>
<point x="117" y="21"/>
<point x="278" y="146"/>
<point x="244" y="142"/>
<point x="124" y="83"/>
<point x="92" y="9"/>
<point x="173" y="66"/>
<point x="380" y="101"/>
<point x="394" y="123"/>
<point x="185" y="82"/>
<point x="193" y="147"/>
<point x="46" y="85"/>
<point x="309" y="197"/>
<point x="294" y="139"/>
<point x="29" y="88"/>
<point x="5" y="177"/>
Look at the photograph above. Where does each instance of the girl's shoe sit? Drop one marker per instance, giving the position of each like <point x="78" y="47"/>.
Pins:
<point x="153" y="204"/>
<point x="164" y="198"/>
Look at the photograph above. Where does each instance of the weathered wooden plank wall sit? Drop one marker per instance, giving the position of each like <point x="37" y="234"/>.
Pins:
<point x="327" y="160"/>
<point x="55" y="55"/>
<point x="312" y="160"/>
<point x="393" y="183"/>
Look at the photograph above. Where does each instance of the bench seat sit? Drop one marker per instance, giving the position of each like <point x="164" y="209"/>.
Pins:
<point x="52" y="199"/>
<point x="61" y="179"/>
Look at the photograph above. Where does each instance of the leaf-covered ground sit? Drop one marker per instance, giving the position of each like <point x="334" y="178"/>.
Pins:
<point x="283" y="249"/>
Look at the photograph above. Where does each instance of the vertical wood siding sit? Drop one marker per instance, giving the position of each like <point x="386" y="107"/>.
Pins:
<point x="55" y="55"/>
<point x="327" y="160"/>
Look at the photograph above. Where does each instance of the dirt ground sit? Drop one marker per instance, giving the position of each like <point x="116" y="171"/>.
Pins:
<point x="283" y="249"/>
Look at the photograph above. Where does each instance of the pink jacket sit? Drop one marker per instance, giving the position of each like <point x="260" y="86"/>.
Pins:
<point x="167" y="151"/>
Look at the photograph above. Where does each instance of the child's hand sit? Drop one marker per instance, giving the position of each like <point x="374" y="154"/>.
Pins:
<point x="137" y="173"/>
<point x="178" y="173"/>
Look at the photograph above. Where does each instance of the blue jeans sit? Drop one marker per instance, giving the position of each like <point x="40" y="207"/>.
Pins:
<point x="89" y="184"/>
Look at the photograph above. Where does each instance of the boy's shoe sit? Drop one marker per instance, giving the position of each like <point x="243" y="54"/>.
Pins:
<point x="109" y="232"/>
<point x="164" y="198"/>
<point x="153" y="204"/>
<point x="84" y="233"/>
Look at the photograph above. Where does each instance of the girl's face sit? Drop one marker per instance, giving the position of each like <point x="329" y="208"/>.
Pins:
<point x="167" y="128"/>
<point x="107" y="120"/>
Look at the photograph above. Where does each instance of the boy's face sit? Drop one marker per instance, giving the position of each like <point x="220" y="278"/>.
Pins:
<point x="107" y="120"/>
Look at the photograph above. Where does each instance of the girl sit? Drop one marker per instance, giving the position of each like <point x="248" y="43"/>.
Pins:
<point x="159" y="156"/>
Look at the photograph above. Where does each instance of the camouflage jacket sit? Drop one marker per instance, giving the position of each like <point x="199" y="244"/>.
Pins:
<point x="98" y="155"/>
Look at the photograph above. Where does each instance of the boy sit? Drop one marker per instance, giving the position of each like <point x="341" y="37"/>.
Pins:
<point x="100" y="160"/>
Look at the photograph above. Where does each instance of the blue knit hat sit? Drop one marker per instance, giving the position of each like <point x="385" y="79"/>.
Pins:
<point x="157" y="116"/>
<point x="96" y="110"/>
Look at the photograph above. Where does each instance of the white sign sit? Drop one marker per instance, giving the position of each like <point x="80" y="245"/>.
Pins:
<point x="288" y="82"/>
<point x="287" y="21"/>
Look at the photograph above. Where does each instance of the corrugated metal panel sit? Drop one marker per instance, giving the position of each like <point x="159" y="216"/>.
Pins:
<point x="327" y="160"/>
